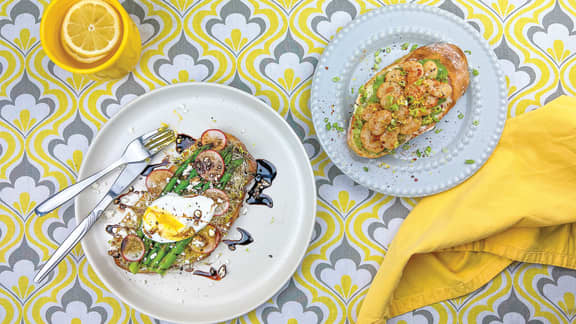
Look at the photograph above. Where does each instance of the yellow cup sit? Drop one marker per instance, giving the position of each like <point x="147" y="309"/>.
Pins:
<point x="118" y="64"/>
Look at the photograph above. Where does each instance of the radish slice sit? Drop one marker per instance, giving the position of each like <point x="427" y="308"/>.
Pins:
<point x="221" y="199"/>
<point x="214" y="137"/>
<point x="132" y="248"/>
<point x="210" y="165"/>
<point x="157" y="180"/>
<point x="206" y="240"/>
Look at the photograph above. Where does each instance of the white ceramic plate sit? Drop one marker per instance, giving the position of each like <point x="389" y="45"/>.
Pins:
<point x="281" y="233"/>
<point x="470" y="131"/>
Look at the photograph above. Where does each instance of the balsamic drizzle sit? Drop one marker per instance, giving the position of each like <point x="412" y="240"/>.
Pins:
<point x="265" y="174"/>
<point x="213" y="274"/>
<point x="245" y="239"/>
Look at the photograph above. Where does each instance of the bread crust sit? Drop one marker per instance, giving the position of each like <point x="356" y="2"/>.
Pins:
<point x="451" y="56"/>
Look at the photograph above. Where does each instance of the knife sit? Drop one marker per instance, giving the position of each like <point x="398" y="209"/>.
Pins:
<point x="126" y="177"/>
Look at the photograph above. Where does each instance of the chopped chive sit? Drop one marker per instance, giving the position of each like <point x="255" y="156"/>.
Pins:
<point x="460" y="115"/>
<point x="375" y="67"/>
<point x="336" y="79"/>
<point x="428" y="150"/>
<point x="418" y="154"/>
<point x="352" y="90"/>
<point x="378" y="51"/>
<point x="328" y="126"/>
<point x="414" y="47"/>
<point x="475" y="72"/>
<point x="388" y="50"/>
<point x="469" y="161"/>
<point x="406" y="147"/>
<point x="326" y="119"/>
<point x="468" y="52"/>
<point x="475" y="123"/>
<point x="438" y="130"/>
<point x="365" y="169"/>
<point x="405" y="46"/>
<point x="377" y="60"/>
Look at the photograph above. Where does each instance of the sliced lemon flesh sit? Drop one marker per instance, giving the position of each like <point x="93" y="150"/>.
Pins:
<point x="91" y="29"/>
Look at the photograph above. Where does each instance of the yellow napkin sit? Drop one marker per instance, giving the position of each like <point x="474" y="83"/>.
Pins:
<point x="520" y="206"/>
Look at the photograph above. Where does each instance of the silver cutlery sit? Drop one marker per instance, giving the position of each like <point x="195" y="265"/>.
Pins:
<point x="126" y="177"/>
<point x="137" y="150"/>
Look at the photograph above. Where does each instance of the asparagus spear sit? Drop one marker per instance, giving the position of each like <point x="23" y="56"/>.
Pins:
<point x="181" y="169"/>
<point x="172" y="255"/>
<point x="152" y="252"/>
<point x="159" y="256"/>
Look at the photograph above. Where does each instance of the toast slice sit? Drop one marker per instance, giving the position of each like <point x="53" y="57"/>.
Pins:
<point x="407" y="98"/>
<point x="235" y="189"/>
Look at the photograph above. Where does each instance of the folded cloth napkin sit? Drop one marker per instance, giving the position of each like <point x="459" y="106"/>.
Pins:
<point x="520" y="206"/>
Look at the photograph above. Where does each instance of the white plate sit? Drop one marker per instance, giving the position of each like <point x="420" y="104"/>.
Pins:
<point x="470" y="131"/>
<point x="281" y="233"/>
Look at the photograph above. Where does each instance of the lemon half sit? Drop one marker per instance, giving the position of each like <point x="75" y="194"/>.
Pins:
<point x="91" y="30"/>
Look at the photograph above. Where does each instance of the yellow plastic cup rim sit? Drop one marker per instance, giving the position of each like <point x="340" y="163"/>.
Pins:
<point x="124" y="18"/>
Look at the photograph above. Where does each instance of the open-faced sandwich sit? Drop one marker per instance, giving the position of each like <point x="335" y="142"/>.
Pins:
<point x="192" y="200"/>
<point x="407" y="98"/>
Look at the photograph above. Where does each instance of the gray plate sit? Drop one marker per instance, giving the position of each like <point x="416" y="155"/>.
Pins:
<point x="459" y="144"/>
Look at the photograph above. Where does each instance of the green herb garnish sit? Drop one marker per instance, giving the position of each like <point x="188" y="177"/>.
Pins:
<point x="475" y="123"/>
<point x="336" y="79"/>
<point x="468" y="52"/>
<point x="414" y="47"/>
<point x="460" y="115"/>
<point x="438" y="130"/>
<point x="405" y="46"/>
<point x="475" y="72"/>
<point x="469" y="162"/>
<point x="365" y="169"/>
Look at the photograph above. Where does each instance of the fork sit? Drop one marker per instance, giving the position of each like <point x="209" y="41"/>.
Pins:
<point x="138" y="150"/>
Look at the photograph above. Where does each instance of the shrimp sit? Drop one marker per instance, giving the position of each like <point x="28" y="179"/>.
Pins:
<point x="396" y="75"/>
<point x="390" y="139"/>
<point x="370" y="142"/>
<point x="402" y="114"/>
<point x="387" y="90"/>
<point x="414" y="71"/>
<point x="429" y="101"/>
<point x="369" y="110"/>
<point x="415" y="91"/>
<point x="379" y="121"/>
<point x="430" y="70"/>
<point x="411" y="125"/>
<point x="437" y="88"/>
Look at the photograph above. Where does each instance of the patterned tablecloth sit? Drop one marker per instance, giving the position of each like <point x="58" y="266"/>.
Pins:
<point x="268" y="48"/>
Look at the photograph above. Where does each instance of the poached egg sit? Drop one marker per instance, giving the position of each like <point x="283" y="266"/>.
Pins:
<point x="172" y="218"/>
